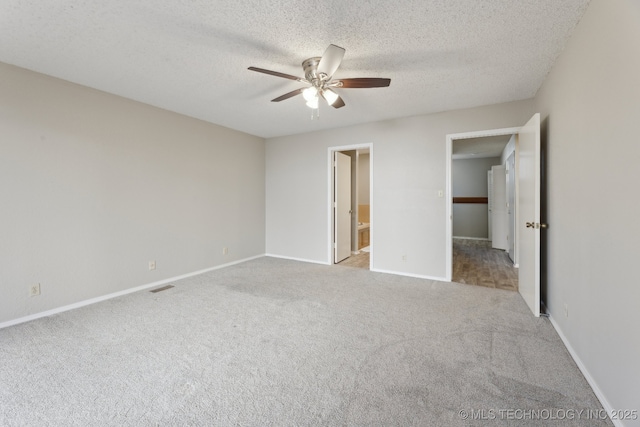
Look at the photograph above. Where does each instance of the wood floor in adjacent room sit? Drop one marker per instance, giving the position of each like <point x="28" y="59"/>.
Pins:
<point x="360" y="260"/>
<point x="476" y="263"/>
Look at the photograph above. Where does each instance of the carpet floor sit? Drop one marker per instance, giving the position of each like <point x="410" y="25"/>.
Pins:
<point x="274" y="342"/>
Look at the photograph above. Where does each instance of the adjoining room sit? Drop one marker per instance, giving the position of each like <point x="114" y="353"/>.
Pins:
<point x="484" y="210"/>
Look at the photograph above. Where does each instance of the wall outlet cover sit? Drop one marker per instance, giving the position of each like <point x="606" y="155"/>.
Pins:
<point x="34" y="290"/>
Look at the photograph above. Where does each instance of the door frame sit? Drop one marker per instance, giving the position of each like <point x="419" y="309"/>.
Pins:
<point x="500" y="230"/>
<point x="330" y="196"/>
<point x="512" y="190"/>
<point x="449" y="208"/>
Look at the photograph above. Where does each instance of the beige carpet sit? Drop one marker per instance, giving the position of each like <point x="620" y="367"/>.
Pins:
<point x="274" y="342"/>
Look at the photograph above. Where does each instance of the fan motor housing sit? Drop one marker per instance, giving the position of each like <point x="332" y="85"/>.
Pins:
<point x="310" y="67"/>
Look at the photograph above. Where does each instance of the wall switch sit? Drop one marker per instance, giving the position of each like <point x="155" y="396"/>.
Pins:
<point x="225" y="251"/>
<point x="404" y="258"/>
<point x="566" y="310"/>
<point x="440" y="193"/>
<point x="152" y="265"/>
<point x="34" y="290"/>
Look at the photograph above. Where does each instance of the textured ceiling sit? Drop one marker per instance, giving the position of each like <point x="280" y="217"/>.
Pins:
<point x="191" y="57"/>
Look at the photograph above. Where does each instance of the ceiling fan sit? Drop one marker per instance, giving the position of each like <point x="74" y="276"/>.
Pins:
<point x="318" y="74"/>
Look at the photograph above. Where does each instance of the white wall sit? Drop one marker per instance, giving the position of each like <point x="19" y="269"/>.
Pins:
<point x="469" y="179"/>
<point x="94" y="186"/>
<point x="590" y="105"/>
<point x="409" y="167"/>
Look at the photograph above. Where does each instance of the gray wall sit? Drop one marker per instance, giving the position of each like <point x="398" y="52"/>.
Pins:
<point x="94" y="186"/>
<point x="409" y="168"/>
<point x="469" y="179"/>
<point x="590" y="105"/>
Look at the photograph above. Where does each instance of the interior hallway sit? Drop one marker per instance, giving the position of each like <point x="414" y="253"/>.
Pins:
<point x="476" y="263"/>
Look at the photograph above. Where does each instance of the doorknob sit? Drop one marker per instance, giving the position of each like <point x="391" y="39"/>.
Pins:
<point x="535" y="225"/>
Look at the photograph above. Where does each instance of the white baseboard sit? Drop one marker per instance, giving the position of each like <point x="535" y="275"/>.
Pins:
<point x="417" y="276"/>
<point x="298" y="259"/>
<point x="118" y="294"/>
<point x="397" y="273"/>
<point x="472" y="238"/>
<point x="594" y="386"/>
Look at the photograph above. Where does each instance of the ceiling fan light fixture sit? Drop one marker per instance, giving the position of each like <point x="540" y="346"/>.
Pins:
<point x="313" y="103"/>
<point x="310" y="93"/>
<point x="330" y="96"/>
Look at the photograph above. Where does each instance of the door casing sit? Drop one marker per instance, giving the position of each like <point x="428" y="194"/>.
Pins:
<point x="499" y="219"/>
<point x="330" y="198"/>
<point x="449" y="196"/>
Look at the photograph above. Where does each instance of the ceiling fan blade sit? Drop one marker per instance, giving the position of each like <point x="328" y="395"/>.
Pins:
<point x="277" y="74"/>
<point x="288" y="95"/>
<point x="363" y="82"/>
<point x="331" y="60"/>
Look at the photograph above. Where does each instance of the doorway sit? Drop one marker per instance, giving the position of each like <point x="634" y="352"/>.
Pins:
<point x="477" y="212"/>
<point x="350" y="205"/>
<point x="528" y="221"/>
<point x="480" y="213"/>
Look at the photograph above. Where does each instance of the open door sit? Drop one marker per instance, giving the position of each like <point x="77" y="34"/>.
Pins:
<point x="529" y="213"/>
<point x="342" y="207"/>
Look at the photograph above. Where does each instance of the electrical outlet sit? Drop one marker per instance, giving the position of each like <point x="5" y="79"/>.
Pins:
<point x="34" y="290"/>
<point x="152" y="265"/>
<point x="404" y="258"/>
<point x="440" y="193"/>
<point x="225" y="251"/>
<point x="566" y="310"/>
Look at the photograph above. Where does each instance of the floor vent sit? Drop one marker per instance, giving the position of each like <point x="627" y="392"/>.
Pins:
<point x="164" y="288"/>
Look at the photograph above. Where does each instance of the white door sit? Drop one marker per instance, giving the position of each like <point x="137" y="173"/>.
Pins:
<point x="529" y="213"/>
<point x="342" y="207"/>
<point x="511" y="206"/>
<point x="499" y="220"/>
